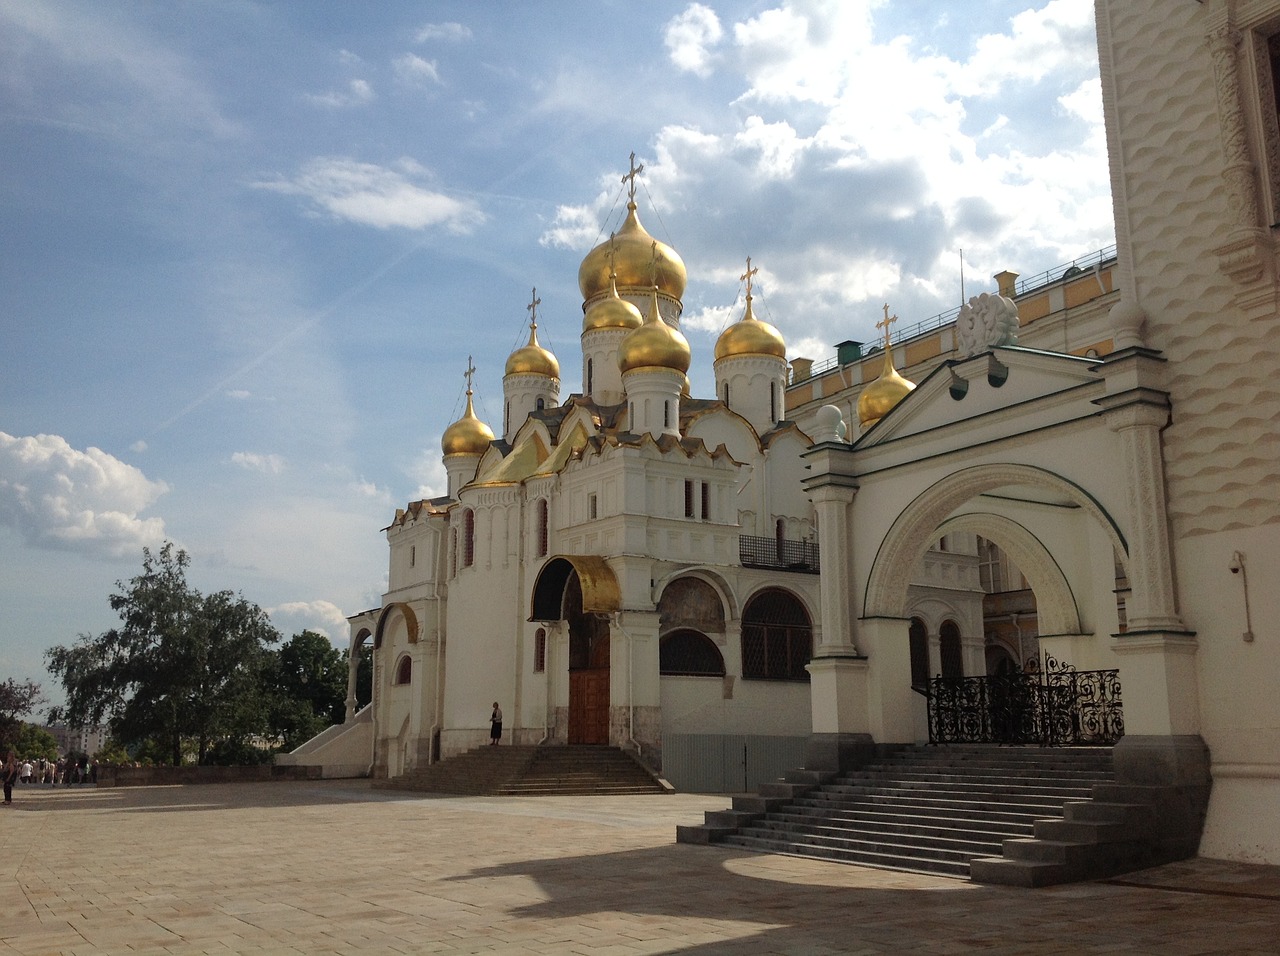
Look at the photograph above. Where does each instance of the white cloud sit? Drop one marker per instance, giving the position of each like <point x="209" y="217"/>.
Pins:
<point x="689" y="37"/>
<point x="711" y="318"/>
<point x="575" y="227"/>
<point x="251" y="461"/>
<point x="59" y="497"/>
<point x="293" y="617"/>
<point x="239" y="394"/>
<point x="377" y="196"/>
<point x="139" y="446"/>
<point x="415" y="69"/>
<point x="357" y="93"/>
<point x="428" y="471"/>
<point x="453" y="32"/>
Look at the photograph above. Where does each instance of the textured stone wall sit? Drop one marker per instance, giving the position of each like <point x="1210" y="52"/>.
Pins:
<point x="1222" y="449"/>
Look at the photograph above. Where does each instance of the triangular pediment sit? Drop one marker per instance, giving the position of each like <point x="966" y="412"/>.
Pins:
<point x="992" y="391"/>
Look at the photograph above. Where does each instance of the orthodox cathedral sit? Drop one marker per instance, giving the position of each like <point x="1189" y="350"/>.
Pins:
<point x="1084" y="474"/>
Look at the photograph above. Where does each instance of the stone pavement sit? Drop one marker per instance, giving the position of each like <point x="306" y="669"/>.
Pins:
<point x="335" y="867"/>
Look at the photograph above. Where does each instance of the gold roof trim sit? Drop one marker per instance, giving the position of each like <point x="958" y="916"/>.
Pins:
<point x="601" y="593"/>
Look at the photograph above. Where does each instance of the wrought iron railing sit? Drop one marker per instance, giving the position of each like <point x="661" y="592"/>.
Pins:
<point x="780" y="553"/>
<point x="1054" y="707"/>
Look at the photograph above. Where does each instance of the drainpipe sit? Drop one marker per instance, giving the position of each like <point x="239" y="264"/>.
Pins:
<point x="546" y="667"/>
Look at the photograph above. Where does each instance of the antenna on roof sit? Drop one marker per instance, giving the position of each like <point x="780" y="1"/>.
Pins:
<point x="962" y="277"/>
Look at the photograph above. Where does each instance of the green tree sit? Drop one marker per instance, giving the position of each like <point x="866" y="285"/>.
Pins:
<point x="181" y="665"/>
<point x="17" y="700"/>
<point x="306" y="681"/>
<point x="36" y="742"/>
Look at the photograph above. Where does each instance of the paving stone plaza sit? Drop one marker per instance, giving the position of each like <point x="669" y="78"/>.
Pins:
<point x="335" y="867"/>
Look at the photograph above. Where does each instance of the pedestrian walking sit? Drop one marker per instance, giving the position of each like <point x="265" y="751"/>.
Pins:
<point x="11" y="776"/>
<point x="495" y="725"/>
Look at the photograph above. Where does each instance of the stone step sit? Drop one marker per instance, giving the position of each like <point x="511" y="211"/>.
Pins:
<point x="912" y="823"/>
<point x="959" y="842"/>
<point x="528" y="771"/>
<point x="884" y="861"/>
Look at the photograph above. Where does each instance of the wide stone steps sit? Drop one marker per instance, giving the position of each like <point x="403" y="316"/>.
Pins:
<point x="532" y="771"/>
<point x="926" y="810"/>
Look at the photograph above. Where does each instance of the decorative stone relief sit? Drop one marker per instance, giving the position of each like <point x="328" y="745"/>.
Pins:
<point x="985" y="322"/>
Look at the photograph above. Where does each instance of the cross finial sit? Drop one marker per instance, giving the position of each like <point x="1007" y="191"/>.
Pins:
<point x="532" y="309"/>
<point x="747" y="276"/>
<point x="471" y="370"/>
<point x="885" y="325"/>
<point x="635" y="171"/>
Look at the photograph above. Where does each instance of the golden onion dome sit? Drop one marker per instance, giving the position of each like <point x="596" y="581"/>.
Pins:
<point x="468" y="435"/>
<point x="750" y="336"/>
<point x="612" y="312"/>
<point x="639" y="260"/>
<point x="654" y="345"/>
<point x="878" y="398"/>
<point x="533" y="359"/>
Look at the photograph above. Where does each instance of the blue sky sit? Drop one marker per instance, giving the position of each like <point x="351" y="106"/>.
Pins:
<point x="248" y="246"/>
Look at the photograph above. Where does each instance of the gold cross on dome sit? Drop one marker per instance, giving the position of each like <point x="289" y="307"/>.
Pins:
<point x="747" y="276"/>
<point x="635" y="171"/>
<point x="471" y="370"/>
<point x="532" y="308"/>
<point x="885" y="325"/>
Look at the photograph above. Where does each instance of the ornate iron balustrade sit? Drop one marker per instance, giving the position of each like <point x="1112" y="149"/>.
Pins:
<point x="1056" y="707"/>
<point x="780" y="553"/>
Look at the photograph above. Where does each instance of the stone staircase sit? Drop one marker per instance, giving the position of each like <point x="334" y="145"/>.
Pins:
<point x="921" y="809"/>
<point x="532" y="771"/>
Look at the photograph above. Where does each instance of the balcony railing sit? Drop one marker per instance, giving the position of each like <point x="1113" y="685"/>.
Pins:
<point x="781" y="554"/>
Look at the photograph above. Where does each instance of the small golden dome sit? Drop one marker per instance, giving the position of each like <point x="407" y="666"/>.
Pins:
<point x="533" y="359"/>
<point x="654" y="345"/>
<point x="878" y="398"/>
<point x="750" y="336"/>
<point x="612" y="312"/>
<point x="633" y="252"/>
<point x="468" y="435"/>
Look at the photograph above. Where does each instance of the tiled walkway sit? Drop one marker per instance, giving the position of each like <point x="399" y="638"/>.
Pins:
<point x="334" y="867"/>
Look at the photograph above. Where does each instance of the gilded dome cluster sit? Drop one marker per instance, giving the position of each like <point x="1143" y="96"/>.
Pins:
<point x="879" y="398"/>
<point x="750" y="336"/>
<point x="468" y="435"/>
<point x="612" y="312"/>
<point x="639" y="261"/>
<point x="654" y="345"/>
<point x="533" y="359"/>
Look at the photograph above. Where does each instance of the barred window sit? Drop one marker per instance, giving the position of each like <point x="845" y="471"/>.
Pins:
<point x="540" y="651"/>
<point x="544" y="528"/>
<point x="689" y="653"/>
<point x="777" y="637"/>
<point x="469" y="539"/>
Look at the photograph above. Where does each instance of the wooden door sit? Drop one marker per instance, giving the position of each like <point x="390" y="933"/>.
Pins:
<point x="589" y="706"/>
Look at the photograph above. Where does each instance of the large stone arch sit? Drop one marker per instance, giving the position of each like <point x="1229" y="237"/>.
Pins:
<point x="1055" y="601"/>
<point x="410" y="623"/>
<point x="918" y="524"/>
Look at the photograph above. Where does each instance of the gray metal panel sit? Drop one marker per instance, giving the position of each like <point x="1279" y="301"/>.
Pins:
<point x="727" y="763"/>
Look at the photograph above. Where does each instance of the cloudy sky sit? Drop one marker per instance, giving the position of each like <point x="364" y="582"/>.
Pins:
<point x="248" y="246"/>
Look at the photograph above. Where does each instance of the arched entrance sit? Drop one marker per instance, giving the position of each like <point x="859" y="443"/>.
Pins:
<point x="1059" y="539"/>
<point x="582" y="591"/>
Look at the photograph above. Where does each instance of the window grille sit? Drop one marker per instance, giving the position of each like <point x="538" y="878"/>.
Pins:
<point x="544" y="529"/>
<point x="540" y="651"/>
<point x="777" y="637"/>
<point x="469" y="539"/>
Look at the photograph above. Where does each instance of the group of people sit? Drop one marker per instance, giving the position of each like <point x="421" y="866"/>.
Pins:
<point x="47" y="772"/>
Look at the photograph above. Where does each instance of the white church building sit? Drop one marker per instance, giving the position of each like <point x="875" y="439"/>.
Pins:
<point x="1093" y="481"/>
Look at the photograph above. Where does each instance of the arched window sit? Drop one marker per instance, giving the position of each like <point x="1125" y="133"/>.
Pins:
<point x="773" y="402"/>
<point x="540" y="651"/>
<point x="544" y="528"/>
<point x="468" y="538"/>
<point x="688" y="653"/>
<point x="506" y="417"/>
<point x="726" y="394"/>
<point x="949" y="648"/>
<point x="666" y="414"/>
<point x="780" y="538"/>
<point x="919" y="653"/>
<point x="777" y="637"/>
<point x="540" y="404"/>
<point x="404" y="670"/>
<point x="453" y="552"/>
<point x="590" y="376"/>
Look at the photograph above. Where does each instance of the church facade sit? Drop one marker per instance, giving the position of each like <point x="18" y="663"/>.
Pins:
<point x="1097" y="485"/>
